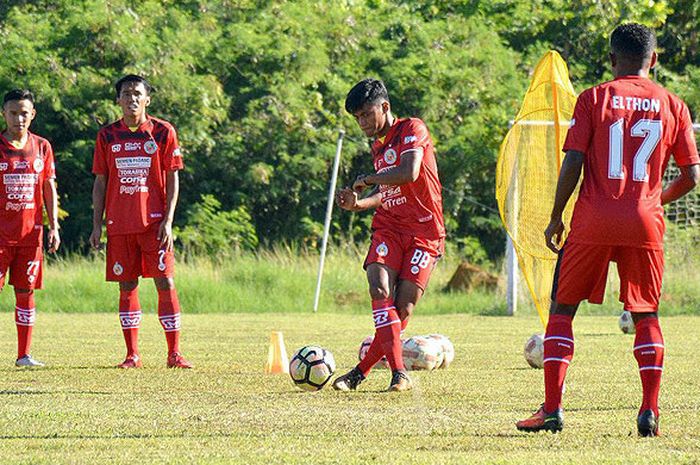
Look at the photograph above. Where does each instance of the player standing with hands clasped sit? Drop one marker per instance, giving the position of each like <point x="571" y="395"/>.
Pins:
<point x="136" y="165"/>
<point x="407" y="229"/>
<point x="622" y="134"/>
<point x="27" y="177"/>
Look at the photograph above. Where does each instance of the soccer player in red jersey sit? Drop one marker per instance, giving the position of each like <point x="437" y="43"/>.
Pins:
<point x="408" y="230"/>
<point x="28" y="181"/>
<point x="136" y="165"/>
<point x="622" y="135"/>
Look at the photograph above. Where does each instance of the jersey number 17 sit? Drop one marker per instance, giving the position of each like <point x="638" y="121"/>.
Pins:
<point x="650" y="130"/>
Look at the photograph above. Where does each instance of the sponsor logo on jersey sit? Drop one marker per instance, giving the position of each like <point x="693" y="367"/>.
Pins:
<point x="390" y="156"/>
<point x="4" y="166"/>
<point x="132" y="146"/>
<point x="409" y="139"/>
<point x="20" y="165"/>
<point x="125" y="163"/>
<point x="155" y="215"/>
<point x="116" y="148"/>
<point x="18" y="178"/>
<point x="38" y="165"/>
<point x="415" y="269"/>
<point x="150" y="147"/>
<point x="382" y="250"/>
<point x="118" y="269"/>
<point x="177" y="152"/>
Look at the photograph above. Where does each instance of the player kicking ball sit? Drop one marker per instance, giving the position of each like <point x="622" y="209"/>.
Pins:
<point x="622" y="133"/>
<point x="408" y="231"/>
<point x="27" y="176"/>
<point x="136" y="165"/>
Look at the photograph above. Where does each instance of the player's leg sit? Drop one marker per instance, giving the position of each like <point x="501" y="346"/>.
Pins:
<point x="169" y="317"/>
<point x="159" y="264"/>
<point x="124" y="266"/>
<point x="641" y="275"/>
<point x="130" y="320"/>
<point x="580" y="274"/>
<point x="408" y="293"/>
<point x="382" y="280"/>
<point x="25" y="276"/>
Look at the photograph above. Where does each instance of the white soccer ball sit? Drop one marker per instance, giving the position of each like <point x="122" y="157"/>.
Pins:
<point x="626" y="323"/>
<point x="534" y="351"/>
<point x="311" y="368"/>
<point x="422" y="353"/>
<point x="364" y="347"/>
<point x="448" y="349"/>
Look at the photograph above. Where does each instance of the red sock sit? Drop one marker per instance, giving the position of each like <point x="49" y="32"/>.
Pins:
<point x="130" y="319"/>
<point x="387" y="329"/>
<point x="376" y="350"/>
<point x="25" y="315"/>
<point x="558" y="352"/>
<point x="649" y="352"/>
<point x="169" y="316"/>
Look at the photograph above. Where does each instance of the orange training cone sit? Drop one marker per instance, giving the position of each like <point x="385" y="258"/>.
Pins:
<point x="277" y="361"/>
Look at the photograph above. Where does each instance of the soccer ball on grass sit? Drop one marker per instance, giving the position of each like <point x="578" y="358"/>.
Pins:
<point x="534" y="351"/>
<point x="311" y="368"/>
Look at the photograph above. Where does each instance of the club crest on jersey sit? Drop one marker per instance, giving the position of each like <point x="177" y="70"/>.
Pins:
<point x="390" y="156"/>
<point x="382" y="250"/>
<point x="38" y="165"/>
<point x="150" y="147"/>
<point x="116" y="148"/>
<point x="117" y="269"/>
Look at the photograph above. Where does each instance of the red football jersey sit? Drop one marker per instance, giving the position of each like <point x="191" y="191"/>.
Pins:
<point x="414" y="208"/>
<point x="135" y="165"/>
<point x="22" y="198"/>
<point x="627" y="128"/>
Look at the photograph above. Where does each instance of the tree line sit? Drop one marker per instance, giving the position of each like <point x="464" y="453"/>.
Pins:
<point x="256" y="90"/>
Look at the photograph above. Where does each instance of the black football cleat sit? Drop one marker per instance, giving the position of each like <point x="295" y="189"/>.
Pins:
<point x="400" y="382"/>
<point x="349" y="381"/>
<point x="648" y="424"/>
<point x="541" y="420"/>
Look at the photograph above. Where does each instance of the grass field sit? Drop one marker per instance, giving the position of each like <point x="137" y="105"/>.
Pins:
<point x="81" y="411"/>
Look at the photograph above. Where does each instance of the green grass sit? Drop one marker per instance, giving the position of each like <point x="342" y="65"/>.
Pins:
<point x="284" y="280"/>
<point x="81" y="411"/>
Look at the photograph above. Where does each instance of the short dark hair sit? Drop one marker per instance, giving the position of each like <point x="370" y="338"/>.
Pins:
<point x="132" y="78"/>
<point x="364" y="92"/>
<point x="18" y="94"/>
<point x="633" y="41"/>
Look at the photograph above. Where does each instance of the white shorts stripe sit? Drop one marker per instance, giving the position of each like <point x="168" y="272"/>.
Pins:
<point x="558" y="338"/>
<point x="556" y="359"/>
<point x="644" y="346"/>
<point x="651" y="368"/>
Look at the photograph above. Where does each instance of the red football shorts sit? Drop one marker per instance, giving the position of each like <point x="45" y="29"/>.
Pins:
<point x="25" y="265"/>
<point x="132" y="255"/>
<point x="582" y="272"/>
<point x="413" y="258"/>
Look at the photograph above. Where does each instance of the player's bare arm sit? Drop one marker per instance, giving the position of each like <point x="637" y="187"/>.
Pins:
<point x="406" y="172"/>
<point x="99" y="188"/>
<point x="568" y="178"/>
<point x="51" y="203"/>
<point x="172" y="190"/>
<point x="686" y="182"/>
<point x="349" y="200"/>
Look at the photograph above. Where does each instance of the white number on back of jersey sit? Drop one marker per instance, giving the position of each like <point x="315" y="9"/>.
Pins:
<point x="651" y="130"/>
